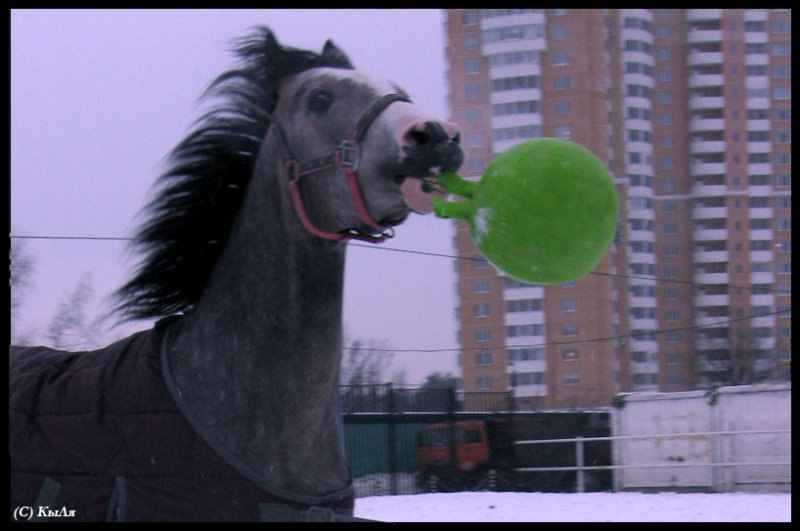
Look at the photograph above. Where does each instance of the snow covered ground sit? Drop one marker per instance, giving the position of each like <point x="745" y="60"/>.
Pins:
<point x="587" y="507"/>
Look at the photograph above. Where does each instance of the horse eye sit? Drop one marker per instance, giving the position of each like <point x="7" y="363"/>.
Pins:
<point x="320" y="101"/>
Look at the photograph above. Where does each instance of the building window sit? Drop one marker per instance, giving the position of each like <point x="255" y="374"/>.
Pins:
<point x="782" y="93"/>
<point x="515" y="83"/>
<point x="569" y="354"/>
<point x="560" y="58"/>
<point x="483" y="358"/>
<point x="572" y="378"/>
<point x="569" y="329"/>
<point x="563" y="131"/>
<point x="482" y="335"/>
<point x="484" y="382"/>
<point x="671" y="294"/>
<point x="559" y="33"/>
<point x="479" y="262"/>
<point x="480" y="310"/>
<point x="524" y="330"/>
<point x="480" y="286"/>
<point x="782" y="49"/>
<point x="469" y="18"/>
<point x="781" y="26"/>
<point x="569" y="304"/>
<point x="523" y="305"/>
<point x="471" y="42"/>
<point x="671" y="315"/>
<point x="673" y="358"/>
<point x="561" y="82"/>
<point x="474" y="140"/>
<point x="473" y="91"/>
<point x="475" y="165"/>
<point x="525" y="354"/>
<point x="562" y="107"/>
<point x="474" y="116"/>
<point x="472" y="67"/>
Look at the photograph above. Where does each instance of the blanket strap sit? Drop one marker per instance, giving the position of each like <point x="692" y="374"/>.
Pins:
<point x="46" y="497"/>
<point x="118" y="504"/>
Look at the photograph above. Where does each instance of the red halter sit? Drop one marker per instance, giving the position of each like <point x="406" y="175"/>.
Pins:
<point x="347" y="156"/>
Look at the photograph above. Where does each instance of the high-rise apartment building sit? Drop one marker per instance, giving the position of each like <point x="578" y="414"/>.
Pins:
<point x="691" y="111"/>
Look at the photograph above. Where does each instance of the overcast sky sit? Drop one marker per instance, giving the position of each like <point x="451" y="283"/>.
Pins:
<point x="98" y="99"/>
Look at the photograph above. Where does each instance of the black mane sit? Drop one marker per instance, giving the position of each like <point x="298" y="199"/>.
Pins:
<point x="191" y="216"/>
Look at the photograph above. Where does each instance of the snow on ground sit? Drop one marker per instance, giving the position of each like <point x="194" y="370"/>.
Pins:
<point x="586" y="507"/>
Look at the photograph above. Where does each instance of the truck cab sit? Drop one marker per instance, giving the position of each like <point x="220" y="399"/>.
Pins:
<point x="437" y="441"/>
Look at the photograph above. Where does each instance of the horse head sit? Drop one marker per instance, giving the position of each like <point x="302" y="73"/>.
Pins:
<point x="358" y="151"/>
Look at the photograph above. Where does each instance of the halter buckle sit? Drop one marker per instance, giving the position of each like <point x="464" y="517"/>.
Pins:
<point x="350" y="155"/>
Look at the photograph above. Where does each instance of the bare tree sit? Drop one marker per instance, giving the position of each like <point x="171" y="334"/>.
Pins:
<point x="20" y="271"/>
<point x="365" y="362"/>
<point x="68" y="329"/>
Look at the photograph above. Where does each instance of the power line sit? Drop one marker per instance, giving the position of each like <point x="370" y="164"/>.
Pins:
<point x="594" y="340"/>
<point x="113" y="238"/>
<point x="437" y="255"/>
<point x="457" y="257"/>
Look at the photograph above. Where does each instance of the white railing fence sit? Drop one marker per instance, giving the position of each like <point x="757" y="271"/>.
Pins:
<point x="707" y="460"/>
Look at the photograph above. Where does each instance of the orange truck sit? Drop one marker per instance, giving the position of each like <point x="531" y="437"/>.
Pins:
<point x="463" y="452"/>
<point x="481" y="453"/>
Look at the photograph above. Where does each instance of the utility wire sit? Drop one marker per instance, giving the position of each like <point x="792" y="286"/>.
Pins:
<point x="594" y="340"/>
<point x="462" y="349"/>
<point x="428" y="253"/>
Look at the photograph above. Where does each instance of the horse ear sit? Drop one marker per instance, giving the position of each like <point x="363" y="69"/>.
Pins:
<point x="270" y="42"/>
<point x="332" y="52"/>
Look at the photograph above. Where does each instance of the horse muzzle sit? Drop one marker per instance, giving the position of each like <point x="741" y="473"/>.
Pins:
<point x="429" y="148"/>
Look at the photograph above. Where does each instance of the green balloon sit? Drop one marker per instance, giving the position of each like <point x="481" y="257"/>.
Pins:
<point x="545" y="211"/>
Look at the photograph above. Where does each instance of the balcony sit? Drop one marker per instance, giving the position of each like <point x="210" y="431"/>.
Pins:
<point x="708" y="190"/>
<point x="709" y="235"/>
<point x="709" y="212"/>
<point x="706" y="80"/>
<point x="695" y="36"/>
<point x="711" y="278"/>
<point x="762" y="277"/>
<point x="707" y="146"/>
<point x="721" y="299"/>
<point x="705" y="257"/>
<point x="704" y="58"/>
<point x="696" y="15"/>
<point x="708" y="168"/>
<point x="706" y="102"/>
<point x="706" y="124"/>
<point x="719" y="321"/>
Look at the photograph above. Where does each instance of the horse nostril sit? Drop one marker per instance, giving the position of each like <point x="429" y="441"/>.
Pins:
<point x="419" y="138"/>
<point x="426" y="133"/>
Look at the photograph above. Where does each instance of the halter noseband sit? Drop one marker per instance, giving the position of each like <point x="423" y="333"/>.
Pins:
<point x="347" y="156"/>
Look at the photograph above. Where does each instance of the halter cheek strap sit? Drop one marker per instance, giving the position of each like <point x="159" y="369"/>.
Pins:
<point x="346" y="156"/>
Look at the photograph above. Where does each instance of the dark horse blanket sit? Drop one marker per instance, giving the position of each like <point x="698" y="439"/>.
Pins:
<point x="101" y="435"/>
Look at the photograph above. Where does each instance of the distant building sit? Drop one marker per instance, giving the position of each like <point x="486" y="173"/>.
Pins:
<point x="691" y="111"/>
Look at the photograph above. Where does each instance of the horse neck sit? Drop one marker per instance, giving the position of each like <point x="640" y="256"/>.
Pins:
<point x="257" y="360"/>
